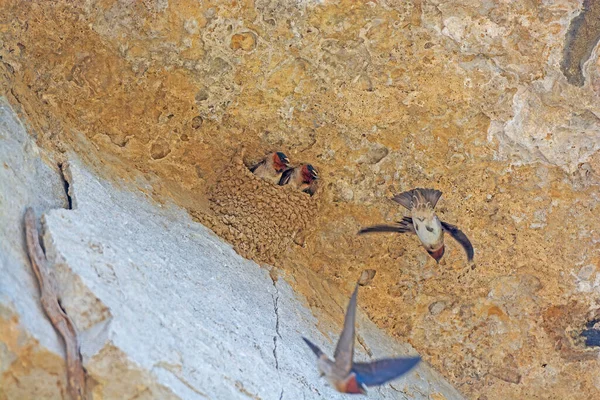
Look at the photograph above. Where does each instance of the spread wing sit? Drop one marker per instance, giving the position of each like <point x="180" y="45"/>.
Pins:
<point x="404" y="226"/>
<point x="344" y="350"/>
<point x="285" y="177"/>
<point x="382" y="371"/>
<point x="313" y="347"/>
<point x="461" y="238"/>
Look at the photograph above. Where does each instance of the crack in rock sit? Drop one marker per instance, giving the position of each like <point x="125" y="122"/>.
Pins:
<point x="64" y="175"/>
<point x="364" y="345"/>
<point x="277" y="334"/>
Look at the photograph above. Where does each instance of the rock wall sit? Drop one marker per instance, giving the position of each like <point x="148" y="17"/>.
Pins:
<point x="164" y="308"/>
<point x="494" y="103"/>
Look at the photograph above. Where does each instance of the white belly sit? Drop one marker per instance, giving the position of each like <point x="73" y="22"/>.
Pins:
<point x="429" y="232"/>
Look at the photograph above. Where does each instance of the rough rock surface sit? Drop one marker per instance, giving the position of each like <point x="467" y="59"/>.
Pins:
<point x="467" y="96"/>
<point x="165" y="309"/>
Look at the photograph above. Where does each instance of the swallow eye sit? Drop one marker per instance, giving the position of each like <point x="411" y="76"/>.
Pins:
<point x="430" y="229"/>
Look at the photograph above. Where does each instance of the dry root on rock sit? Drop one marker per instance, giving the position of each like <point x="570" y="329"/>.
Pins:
<point x="59" y="319"/>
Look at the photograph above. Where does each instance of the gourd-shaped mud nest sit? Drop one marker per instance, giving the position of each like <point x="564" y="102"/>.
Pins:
<point x="259" y="218"/>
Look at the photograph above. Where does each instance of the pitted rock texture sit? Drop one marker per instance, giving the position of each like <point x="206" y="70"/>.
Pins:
<point x="466" y="96"/>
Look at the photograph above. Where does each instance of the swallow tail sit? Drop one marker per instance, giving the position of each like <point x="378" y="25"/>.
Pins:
<point x="381" y="371"/>
<point x="420" y="195"/>
<point x="404" y="199"/>
<point x="431" y="196"/>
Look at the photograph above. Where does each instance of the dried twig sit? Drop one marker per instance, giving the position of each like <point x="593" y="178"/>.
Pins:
<point x="59" y="319"/>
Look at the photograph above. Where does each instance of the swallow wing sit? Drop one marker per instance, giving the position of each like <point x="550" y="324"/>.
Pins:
<point x="381" y="371"/>
<point x="461" y="238"/>
<point x="313" y="347"/>
<point x="404" y="226"/>
<point x="344" y="351"/>
<point x="286" y="176"/>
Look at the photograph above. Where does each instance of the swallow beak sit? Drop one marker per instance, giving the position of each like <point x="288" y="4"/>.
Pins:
<point x="314" y="174"/>
<point x="437" y="254"/>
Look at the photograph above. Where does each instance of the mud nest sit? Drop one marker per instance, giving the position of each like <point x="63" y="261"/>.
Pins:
<point x="259" y="218"/>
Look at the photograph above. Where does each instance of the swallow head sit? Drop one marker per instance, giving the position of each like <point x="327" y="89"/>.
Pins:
<point x="280" y="161"/>
<point x="437" y="254"/>
<point x="309" y="173"/>
<point x="351" y="385"/>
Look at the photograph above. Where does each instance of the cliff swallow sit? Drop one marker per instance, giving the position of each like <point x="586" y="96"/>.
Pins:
<point x="303" y="177"/>
<point x="424" y="223"/>
<point x="271" y="167"/>
<point x="347" y="376"/>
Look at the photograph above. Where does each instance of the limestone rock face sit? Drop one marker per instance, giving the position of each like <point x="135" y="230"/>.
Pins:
<point x="495" y="103"/>
<point x="165" y="309"/>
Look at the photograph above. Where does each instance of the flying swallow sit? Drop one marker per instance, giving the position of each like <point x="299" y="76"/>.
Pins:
<point x="347" y="376"/>
<point x="303" y="177"/>
<point x="424" y="223"/>
<point x="271" y="167"/>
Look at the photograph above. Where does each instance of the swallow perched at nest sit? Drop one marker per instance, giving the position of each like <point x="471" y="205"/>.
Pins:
<point x="271" y="167"/>
<point x="303" y="177"/>
<point x="344" y="374"/>
<point x="424" y="223"/>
